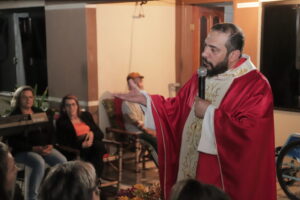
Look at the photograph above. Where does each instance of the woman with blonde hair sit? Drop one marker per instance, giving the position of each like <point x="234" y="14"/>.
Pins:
<point x="32" y="147"/>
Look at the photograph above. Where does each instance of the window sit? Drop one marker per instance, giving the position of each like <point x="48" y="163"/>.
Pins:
<point x="280" y="53"/>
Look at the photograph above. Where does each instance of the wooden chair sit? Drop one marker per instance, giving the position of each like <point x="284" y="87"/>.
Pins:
<point x="117" y="131"/>
<point x="113" y="159"/>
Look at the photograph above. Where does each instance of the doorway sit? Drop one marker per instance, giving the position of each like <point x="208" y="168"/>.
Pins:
<point x="203" y="19"/>
<point x="196" y="21"/>
<point x="23" y="49"/>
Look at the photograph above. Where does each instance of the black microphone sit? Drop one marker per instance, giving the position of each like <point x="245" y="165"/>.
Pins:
<point x="202" y="72"/>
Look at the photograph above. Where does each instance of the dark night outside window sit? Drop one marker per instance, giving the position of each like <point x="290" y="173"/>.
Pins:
<point x="280" y="52"/>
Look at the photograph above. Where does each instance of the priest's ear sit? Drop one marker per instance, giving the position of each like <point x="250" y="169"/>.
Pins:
<point x="234" y="55"/>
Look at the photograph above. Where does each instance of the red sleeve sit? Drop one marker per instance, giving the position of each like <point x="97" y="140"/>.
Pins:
<point x="244" y="130"/>
<point x="170" y="116"/>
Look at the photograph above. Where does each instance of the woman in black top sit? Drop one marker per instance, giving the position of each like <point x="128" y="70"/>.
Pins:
<point x="77" y="129"/>
<point x="32" y="147"/>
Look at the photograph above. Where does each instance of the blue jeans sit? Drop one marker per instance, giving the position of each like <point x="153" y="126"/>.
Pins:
<point x="35" y="165"/>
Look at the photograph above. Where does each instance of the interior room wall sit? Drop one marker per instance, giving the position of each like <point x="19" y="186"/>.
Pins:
<point x="146" y="45"/>
<point x="242" y="13"/>
<point x="72" y="54"/>
<point x="285" y="122"/>
<point x="66" y="51"/>
<point x="127" y="43"/>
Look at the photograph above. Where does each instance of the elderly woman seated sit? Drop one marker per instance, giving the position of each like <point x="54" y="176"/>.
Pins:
<point x="72" y="180"/>
<point x="77" y="129"/>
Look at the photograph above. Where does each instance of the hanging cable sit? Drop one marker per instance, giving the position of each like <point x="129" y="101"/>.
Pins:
<point x="140" y="13"/>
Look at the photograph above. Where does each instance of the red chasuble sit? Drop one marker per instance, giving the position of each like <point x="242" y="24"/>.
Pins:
<point x="244" y="131"/>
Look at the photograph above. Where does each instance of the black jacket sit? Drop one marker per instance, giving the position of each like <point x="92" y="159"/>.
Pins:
<point x="37" y="135"/>
<point x="66" y="134"/>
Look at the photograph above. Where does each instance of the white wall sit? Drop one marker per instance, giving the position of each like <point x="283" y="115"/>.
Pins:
<point x="285" y="124"/>
<point x="145" y="45"/>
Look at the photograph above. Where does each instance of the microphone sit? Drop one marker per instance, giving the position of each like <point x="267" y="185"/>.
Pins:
<point x="202" y="72"/>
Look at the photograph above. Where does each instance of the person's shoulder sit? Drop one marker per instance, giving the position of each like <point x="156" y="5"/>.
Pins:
<point x="257" y="76"/>
<point x="254" y="79"/>
<point x="85" y="114"/>
<point x="15" y="111"/>
<point x="253" y="75"/>
<point x="127" y="104"/>
<point x="61" y="118"/>
<point x="36" y="110"/>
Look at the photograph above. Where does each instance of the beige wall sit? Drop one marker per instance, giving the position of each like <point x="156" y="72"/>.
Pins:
<point x="72" y="54"/>
<point x="145" y="45"/>
<point x="66" y="50"/>
<point x="285" y="124"/>
<point x="242" y="15"/>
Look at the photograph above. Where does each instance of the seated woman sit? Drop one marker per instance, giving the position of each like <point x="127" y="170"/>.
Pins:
<point x="32" y="147"/>
<point x="77" y="129"/>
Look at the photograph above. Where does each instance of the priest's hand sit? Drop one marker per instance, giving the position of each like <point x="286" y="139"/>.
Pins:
<point x="133" y="96"/>
<point x="200" y="107"/>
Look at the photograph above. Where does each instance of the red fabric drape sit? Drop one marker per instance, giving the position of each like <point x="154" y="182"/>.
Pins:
<point x="118" y="113"/>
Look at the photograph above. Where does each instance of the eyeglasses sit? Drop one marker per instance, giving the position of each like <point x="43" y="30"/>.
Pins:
<point x="70" y="104"/>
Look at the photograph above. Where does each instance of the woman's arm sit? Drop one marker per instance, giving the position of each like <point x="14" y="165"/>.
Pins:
<point x="87" y="118"/>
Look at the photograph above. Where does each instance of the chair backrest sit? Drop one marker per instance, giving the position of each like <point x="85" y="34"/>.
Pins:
<point x="113" y="108"/>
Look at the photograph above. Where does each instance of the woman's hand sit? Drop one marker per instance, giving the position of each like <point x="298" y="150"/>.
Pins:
<point x="89" y="139"/>
<point x="37" y="149"/>
<point x="47" y="149"/>
<point x="42" y="150"/>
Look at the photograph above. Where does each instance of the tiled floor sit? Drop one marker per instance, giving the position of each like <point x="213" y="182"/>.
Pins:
<point x="149" y="176"/>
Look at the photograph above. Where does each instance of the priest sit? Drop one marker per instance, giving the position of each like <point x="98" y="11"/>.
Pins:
<point x="226" y="139"/>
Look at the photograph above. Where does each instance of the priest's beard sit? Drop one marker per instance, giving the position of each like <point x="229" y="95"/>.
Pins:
<point x="219" y="68"/>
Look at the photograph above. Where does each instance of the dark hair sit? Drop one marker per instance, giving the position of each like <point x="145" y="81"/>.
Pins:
<point x="73" y="180"/>
<point x="15" y="101"/>
<point x="191" y="189"/>
<point x="63" y="112"/>
<point x="3" y="170"/>
<point x="236" y="37"/>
